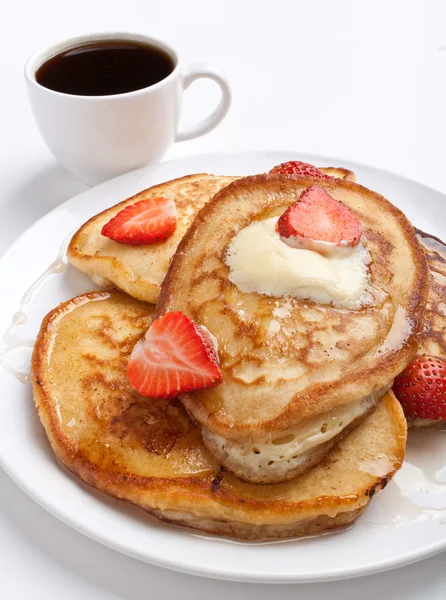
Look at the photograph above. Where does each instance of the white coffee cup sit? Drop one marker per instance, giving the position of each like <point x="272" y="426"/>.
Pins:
<point x="99" y="137"/>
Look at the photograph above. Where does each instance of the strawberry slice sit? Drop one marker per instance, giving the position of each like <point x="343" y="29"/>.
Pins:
<point x="421" y="388"/>
<point x="175" y="356"/>
<point x="317" y="216"/>
<point x="296" y="167"/>
<point x="144" y="222"/>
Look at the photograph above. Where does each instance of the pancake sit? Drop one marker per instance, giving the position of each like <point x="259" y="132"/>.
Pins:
<point x="433" y="340"/>
<point x="149" y="452"/>
<point x="295" y="372"/>
<point x="338" y="172"/>
<point x="140" y="270"/>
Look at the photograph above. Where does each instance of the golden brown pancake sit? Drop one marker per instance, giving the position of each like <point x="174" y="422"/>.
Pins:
<point x="433" y="340"/>
<point x="140" y="270"/>
<point x="277" y="387"/>
<point x="149" y="452"/>
<point x="338" y="172"/>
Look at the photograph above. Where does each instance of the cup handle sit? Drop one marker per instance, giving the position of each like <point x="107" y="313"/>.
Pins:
<point x="189" y="75"/>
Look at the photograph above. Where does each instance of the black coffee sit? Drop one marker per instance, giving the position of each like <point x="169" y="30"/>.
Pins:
<point x="105" y="67"/>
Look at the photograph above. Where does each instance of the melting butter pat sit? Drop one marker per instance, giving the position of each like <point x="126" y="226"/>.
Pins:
<point x="260" y="262"/>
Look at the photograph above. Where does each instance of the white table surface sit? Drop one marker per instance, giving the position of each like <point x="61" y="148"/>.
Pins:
<point x="354" y="79"/>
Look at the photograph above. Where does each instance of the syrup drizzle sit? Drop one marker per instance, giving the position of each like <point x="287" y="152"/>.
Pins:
<point x="267" y="542"/>
<point x="12" y="346"/>
<point x="418" y="492"/>
<point x="398" y="333"/>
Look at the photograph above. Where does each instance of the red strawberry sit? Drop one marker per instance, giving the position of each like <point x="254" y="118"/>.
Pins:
<point x="318" y="216"/>
<point x="176" y="356"/>
<point x="296" y="167"/>
<point x="144" y="222"/>
<point x="421" y="388"/>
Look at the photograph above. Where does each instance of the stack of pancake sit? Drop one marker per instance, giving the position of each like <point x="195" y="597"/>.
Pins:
<point x="303" y="429"/>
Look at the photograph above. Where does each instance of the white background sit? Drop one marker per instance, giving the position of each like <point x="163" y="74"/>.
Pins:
<point x="355" y="79"/>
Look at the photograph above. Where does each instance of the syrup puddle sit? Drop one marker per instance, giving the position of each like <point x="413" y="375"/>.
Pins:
<point x="15" y="350"/>
<point x="267" y="542"/>
<point x="417" y="494"/>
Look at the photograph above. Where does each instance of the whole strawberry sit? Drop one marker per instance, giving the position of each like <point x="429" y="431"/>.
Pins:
<point x="296" y="167"/>
<point x="421" y="388"/>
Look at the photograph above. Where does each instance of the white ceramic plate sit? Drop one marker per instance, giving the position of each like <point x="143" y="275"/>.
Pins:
<point x="406" y="522"/>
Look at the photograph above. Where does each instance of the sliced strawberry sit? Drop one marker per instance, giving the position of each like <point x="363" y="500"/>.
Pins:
<point x="421" y="388"/>
<point x="176" y="356"/>
<point x="318" y="216"/>
<point x="144" y="222"/>
<point x="296" y="167"/>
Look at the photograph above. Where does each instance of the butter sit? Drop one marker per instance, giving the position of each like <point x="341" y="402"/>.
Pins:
<point x="343" y="250"/>
<point x="260" y="262"/>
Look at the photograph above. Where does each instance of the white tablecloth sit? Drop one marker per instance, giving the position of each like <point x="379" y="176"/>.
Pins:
<point x="353" y="79"/>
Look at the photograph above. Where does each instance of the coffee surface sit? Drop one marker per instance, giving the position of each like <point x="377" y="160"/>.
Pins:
<point x="106" y="67"/>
